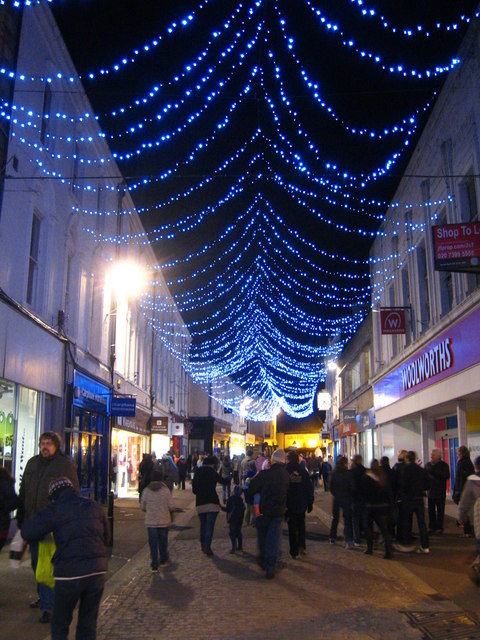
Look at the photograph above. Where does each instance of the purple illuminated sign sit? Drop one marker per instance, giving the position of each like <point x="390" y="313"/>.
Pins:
<point x="452" y="351"/>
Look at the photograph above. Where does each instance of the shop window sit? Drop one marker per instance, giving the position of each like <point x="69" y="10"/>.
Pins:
<point x="7" y="423"/>
<point x="424" y="289"/>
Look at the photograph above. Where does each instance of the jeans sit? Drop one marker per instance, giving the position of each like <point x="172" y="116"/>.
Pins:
<point x="296" y="533"/>
<point x="67" y="593"/>
<point x="226" y="488"/>
<point x="347" y="519"/>
<point x="269" y="531"/>
<point x="207" y="525"/>
<point x="158" y="541"/>
<point x="382" y="516"/>
<point x="417" y="507"/>
<point x="436" y="513"/>
<point x="44" y="593"/>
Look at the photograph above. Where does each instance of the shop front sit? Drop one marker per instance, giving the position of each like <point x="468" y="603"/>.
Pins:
<point x="348" y="439"/>
<point x="367" y="436"/>
<point x="160" y="440"/>
<point x="237" y="444"/>
<point x="303" y="441"/>
<point x="31" y="386"/>
<point x="432" y="399"/>
<point x="130" y="440"/>
<point x="86" y="438"/>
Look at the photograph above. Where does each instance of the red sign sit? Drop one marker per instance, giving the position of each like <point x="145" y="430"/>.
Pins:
<point x="457" y="247"/>
<point x="392" y="321"/>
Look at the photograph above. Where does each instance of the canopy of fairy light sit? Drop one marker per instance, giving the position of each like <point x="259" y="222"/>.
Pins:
<point x="260" y="142"/>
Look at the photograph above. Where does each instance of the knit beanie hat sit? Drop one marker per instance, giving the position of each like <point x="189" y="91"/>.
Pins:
<point x="57" y="486"/>
<point x="278" y="456"/>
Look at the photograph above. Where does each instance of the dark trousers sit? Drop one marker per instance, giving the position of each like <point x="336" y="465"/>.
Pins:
<point x="181" y="482"/>
<point x="359" y="520"/>
<point x="207" y="525"/>
<point x="235" y="533"/>
<point x="347" y="519"/>
<point x="417" y="507"/>
<point x="44" y="593"/>
<point x="382" y="517"/>
<point x="87" y="591"/>
<point x="296" y="533"/>
<point x="158" y="541"/>
<point x="436" y="513"/>
<point x="269" y="541"/>
<point x="326" y="482"/>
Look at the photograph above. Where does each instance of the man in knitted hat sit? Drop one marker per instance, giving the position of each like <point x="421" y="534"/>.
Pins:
<point x="272" y="485"/>
<point x="81" y="533"/>
<point x="40" y="470"/>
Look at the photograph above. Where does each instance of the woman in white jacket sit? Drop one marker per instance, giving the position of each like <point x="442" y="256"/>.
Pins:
<point x="157" y="502"/>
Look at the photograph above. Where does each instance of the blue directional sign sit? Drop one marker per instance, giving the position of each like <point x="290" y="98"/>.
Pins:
<point x="123" y="406"/>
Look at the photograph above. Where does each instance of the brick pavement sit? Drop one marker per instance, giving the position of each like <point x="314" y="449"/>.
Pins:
<point x="331" y="592"/>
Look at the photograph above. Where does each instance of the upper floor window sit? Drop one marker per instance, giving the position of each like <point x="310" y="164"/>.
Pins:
<point x="33" y="258"/>
<point x="424" y="288"/>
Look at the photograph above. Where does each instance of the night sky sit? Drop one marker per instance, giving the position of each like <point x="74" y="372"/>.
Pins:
<point x="304" y="165"/>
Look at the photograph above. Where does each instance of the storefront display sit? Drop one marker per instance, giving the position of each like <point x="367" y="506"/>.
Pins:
<point x="130" y="440"/>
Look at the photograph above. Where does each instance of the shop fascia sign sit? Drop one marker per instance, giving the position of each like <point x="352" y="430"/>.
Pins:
<point x="437" y="359"/>
<point x="125" y="406"/>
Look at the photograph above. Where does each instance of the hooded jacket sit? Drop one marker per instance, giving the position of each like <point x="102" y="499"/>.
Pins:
<point x="81" y="533"/>
<point x="157" y="502"/>
<point x="272" y="485"/>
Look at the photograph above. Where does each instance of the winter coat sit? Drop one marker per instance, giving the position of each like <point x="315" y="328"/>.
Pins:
<point x="226" y="470"/>
<point x="235" y="509"/>
<point x="80" y="530"/>
<point x="439" y="473"/>
<point x="204" y="486"/>
<point x="300" y="489"/>
<point x="182" y="469"/>
<point x="471" y="493"/>
<point x="38" y="474"/>
<point x="413" y="482"/>
<point x="157" y="502"/>
<point x="375" y="493"/>
<point x="357" y="471"/>
<point x="342" y="485"/>
<point x="244" y="465"/>
<point x="272" y="485"/>
<point x="465" y="469"/>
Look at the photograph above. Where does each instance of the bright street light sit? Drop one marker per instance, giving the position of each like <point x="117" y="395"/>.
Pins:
<point x="126" y="279"/>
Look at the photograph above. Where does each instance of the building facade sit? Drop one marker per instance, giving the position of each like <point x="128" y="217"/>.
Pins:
<point x="81" y="353"/>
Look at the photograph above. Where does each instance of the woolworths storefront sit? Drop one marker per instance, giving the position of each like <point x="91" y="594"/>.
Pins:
<point x="432" y="398"/>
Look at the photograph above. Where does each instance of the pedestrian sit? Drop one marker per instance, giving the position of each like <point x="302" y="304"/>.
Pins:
<point x="299" y="501"/>
<point x="236" y="470"/>
<point x="438" y="473"/>
<point x="226" y="473"/>
<point x="413" y="483"/>
<point x="245" y="464"/>
<point x="182" y="472"/>
<point x="249" y="499"/>
<point x="81" y="533"/>
<point x="465" y="469"/>
<point x="326" y="472"/>
<point x="378" y="497"/>
<point x="397" y="471"/>
<point x="235" y="509"/>
<point x="359" y="510"/>
<point x="313" y="469"/>
<point x="170" y="471"/>
<point x="341" y="488"/>
<point x="207" y="503"/>
<point x="145" y="469"/>
<point x="40" y="470"/>
<point x="469" y="512"/>
<point x="157" y="502"/>
<point x="272" y="484"/>
<point x="260" y="459"/>
<point x="8" y="502"/>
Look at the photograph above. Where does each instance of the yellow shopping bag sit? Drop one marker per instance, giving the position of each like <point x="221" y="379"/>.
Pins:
<point x="44" y="571"/>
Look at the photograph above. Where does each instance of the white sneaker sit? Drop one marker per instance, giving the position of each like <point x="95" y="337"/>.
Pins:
<point x="423" y="550"/>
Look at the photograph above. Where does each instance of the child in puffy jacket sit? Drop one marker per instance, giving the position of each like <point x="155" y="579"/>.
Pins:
<point x="235" y="509"/>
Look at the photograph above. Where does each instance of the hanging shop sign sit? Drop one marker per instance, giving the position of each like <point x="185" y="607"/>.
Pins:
<point x="457" y="247"/>
<point x="159" y="424"/>
<point x="176" y="429"/>
<point x="324" y="401"/>
<point x="89" y="394"/>
<point x="349" y="415"/>
<point x="123" y="406"/>
<point x="392" y="321"/>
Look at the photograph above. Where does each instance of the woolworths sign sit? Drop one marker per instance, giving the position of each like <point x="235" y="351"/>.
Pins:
<point x="436" y="360"/>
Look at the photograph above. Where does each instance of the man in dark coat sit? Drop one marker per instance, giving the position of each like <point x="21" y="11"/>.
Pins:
<point x="413" y="484"/>
<point x="40" y="470"/>
<point x="299" y="500"/>
<point x="438" y="473"/>
<point x="341" y="488"/>
<point x="207" y="503"/>
<point x="272" y="485"/>
<point x="359" y="509"/>
<point x="81" y="533"/>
